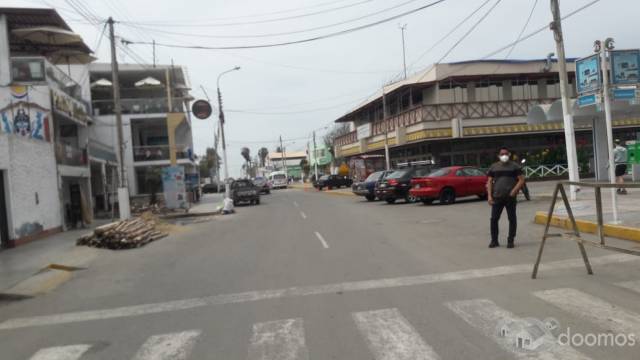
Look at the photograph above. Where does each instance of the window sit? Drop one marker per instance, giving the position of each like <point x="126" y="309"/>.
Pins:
<point x="473" y="172"/>
<point x="459" y="172"/>
<point x="440" y="172"/>
<point x="26" y="70"/>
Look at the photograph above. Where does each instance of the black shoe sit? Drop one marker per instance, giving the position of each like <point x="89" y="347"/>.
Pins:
<point x="510" y="245"/>
<point x="493" y="245"/>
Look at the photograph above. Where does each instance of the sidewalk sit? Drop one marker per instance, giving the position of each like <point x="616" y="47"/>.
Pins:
<point x="208" y="204"/>
<point x="24" y="261"/>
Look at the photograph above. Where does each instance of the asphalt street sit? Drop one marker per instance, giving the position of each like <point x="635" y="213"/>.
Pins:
<point x="308" y="275"/>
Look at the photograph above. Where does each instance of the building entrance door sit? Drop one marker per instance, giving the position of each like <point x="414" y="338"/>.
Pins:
<point x="4" y="214"/>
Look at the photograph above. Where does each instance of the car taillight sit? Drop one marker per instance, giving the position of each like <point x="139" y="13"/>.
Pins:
<point x="393" y="182"/>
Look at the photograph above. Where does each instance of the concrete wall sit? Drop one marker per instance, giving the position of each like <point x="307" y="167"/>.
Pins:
<point x="30" y="167"/>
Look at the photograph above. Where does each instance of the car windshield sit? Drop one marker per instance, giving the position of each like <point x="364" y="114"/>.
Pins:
<point x="374" y="176"/>
<point x="324" y="177"/>
<point x="279" y="177"/>
<point x="440" y="172"/>
<point x="242" y="183"/>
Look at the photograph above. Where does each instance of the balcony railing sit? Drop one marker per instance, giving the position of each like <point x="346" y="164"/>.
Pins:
<point x="439" y="112"/>
<point x="138" y="106"/>
<point x="158" y="152"/>
<point x="69" y="155"/>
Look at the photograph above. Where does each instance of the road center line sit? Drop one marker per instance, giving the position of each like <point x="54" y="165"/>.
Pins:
<point x="304" y="216"/>
<point x="322" y="240"/>
<point x="252" y="296"/>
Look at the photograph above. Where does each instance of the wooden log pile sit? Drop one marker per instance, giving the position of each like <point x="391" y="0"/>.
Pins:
<point x="125" y="234"/>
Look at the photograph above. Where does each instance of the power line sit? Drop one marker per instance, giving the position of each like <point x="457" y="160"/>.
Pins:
<point x="321" y="37"/>
<point x="524" y="27"/>
<point x="254" y="22"/>
<point x="280" y="33"/>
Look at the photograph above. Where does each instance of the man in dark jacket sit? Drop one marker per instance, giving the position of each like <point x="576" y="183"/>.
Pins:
<point x="504" y="182"/>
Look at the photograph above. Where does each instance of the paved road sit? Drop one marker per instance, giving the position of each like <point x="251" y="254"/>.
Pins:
<point x="307" y="275"/>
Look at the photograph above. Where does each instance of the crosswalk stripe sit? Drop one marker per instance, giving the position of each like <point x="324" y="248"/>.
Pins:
<point x="280" y="339"/>
<point x="593" y="309"/>
<point x="391" y="337"/>
<point x="71" y="352"/>
<point x="174" y="346"/>
<point x="631" y="285"/>
<point x="487" y="317"/>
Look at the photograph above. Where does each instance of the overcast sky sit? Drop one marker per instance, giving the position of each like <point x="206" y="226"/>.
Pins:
<point x="299" y="88"/>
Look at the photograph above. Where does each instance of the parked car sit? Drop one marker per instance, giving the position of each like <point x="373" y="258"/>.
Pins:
<point x="367" y="188"/>
<point x="213" y="187"/>
<point x="263" y="184"/>
<point x="332" y="181"/>
<point x="447" y="184"/>
<point x="397" y="184"/>
<point x="244" y="190"/>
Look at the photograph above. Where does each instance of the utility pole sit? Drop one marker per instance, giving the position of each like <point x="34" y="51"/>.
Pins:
<point x="227" y="190"/>
<point x="569" y="134"/>
<point x="604" y="48"/>
<point x="154" y="53"/>
<point x="315" y="156"/>
<point x="386" y="130"/>
<point x="282" y="158"/>
<point x="404" y="55"/>
<point x="123" y="189"/>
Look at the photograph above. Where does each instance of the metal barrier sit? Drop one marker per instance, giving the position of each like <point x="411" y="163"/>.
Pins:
<point x="575" y="233"/>
<point x="545" y="170"/>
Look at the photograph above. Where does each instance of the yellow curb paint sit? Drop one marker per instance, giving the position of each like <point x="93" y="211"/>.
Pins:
<point x="590" y="227"/>
<point x="339" y="193"/>
<point x="40" y="283"/>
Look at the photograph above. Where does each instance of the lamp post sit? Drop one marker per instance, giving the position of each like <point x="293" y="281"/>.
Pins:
<point x="227" y="190"/>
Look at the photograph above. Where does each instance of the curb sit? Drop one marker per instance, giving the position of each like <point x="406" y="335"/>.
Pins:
<point x="188" y="214"/>
<point x="341" y="193"/>
<point x="590" y="227"/>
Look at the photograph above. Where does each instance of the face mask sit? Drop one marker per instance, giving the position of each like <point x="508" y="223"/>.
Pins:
<point x="504" y="158"/>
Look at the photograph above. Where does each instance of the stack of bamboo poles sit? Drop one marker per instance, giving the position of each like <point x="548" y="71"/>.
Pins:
<point x="125" y="234"/>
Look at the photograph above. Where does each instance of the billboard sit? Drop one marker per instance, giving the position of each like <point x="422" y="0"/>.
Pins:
<point x="624" y="66"/>
<point x="588" y="74"/>
<point x="173" y="184"/>
<point x="363" y="131"/>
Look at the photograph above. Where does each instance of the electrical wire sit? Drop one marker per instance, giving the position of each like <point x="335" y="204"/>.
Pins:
<point x="524" y="28"/>
<point x="254" y="22"/>
<point x="320" y="37"/>
<point x="292" y="32"/>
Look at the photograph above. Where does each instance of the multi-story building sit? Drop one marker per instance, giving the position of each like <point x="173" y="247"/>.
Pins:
<point x="155" y="118"/>
<point x="460" y="113"/>
<point x="290" y="159"/>
<point x="320" y="156"/>
<point x="44" y="126"/>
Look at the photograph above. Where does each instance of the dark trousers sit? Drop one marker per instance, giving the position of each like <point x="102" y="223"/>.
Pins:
<point x="496" y="212"/>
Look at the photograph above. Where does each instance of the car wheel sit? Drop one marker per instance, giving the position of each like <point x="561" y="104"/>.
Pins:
<point x="427" y="201"/>
<point x="370" y="197"/>
<point x="447" y="196"/>
<point x="410" y="198"/>
<point x="390" y="200"/>
<point x="257" y="201"/>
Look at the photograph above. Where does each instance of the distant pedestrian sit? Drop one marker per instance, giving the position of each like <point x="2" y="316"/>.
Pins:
<point x="504" y="182"/>
<point x="620" y="158"/>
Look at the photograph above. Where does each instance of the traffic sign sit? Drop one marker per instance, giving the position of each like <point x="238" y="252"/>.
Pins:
<point x="201" y="109"/>
<point x="587" y="100"/>
<point x="625" y="66"/>
<point x="588" y="74"/>
<point x="624" y="94"/>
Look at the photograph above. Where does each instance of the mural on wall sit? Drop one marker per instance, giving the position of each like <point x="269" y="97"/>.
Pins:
<point x="21" y="114"/>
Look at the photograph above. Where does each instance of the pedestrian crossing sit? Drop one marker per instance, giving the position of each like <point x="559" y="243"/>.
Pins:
<point x="389" y="335"/>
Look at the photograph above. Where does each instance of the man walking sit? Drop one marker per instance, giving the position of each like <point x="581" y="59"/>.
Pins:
<point x="620" y="158"/>
<point x="505" y="180"/>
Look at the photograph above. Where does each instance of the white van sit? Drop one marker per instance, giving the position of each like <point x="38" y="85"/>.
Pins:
<point x="278" y="180"/>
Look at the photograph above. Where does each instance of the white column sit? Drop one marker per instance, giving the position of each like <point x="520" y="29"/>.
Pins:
<point x="5" y="56"/>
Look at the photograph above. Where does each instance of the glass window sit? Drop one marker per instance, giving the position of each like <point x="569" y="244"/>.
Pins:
<point x="473" y="172"/>
<point x="440" y="172"/>
<point x="459" y="172"/>
<point x="374" y="176"/>
<point x="397" y="174"/>
<point x="25" y="70"/>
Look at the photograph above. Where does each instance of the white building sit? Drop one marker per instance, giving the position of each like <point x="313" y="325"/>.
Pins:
<point x="148" y="128"/>
<point x="44" y="128"/>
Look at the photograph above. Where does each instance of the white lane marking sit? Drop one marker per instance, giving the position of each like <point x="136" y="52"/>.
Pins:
<point x="391" y="337"/>
<point x="631" y="285"/>
<point x="322" y="240"/>
<point x="250" y="296"/>
<point x="593" y="309"/>
<point x="487" y="317"/>
<point x="304" y="216"/>
<point x="71" y="352"/>
<point x="174" y="346"/>
<point x="278" y="340"/>
<point x="295" y="203"/>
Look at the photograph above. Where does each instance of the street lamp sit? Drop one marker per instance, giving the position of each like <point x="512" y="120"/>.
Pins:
<point x="227" y="190"/>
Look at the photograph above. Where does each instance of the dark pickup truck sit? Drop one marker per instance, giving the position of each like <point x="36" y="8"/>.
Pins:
<point x="332" y="181"/>
<point x="245" y="191"/>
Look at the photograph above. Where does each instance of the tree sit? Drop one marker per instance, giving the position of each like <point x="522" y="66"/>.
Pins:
<point x="209" y="161"/>
<point x="330" y="137"/>
<point x="304" y="165"/>
<point x="262" y="155"/>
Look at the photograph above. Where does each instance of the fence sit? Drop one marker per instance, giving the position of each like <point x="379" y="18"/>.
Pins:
<point x="545" y="170"/>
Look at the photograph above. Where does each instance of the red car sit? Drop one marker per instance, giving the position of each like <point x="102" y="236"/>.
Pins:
<point x="446" y="184"/>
